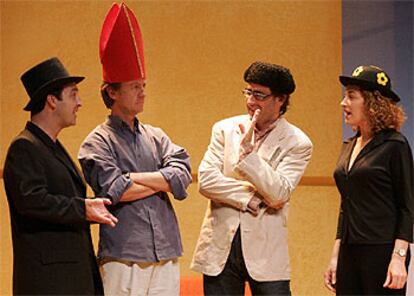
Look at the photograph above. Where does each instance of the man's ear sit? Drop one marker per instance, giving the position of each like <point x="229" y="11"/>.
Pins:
<point x="51" y="101"/>
<point x="282" y="98"/>
<point x="111" y="92"/>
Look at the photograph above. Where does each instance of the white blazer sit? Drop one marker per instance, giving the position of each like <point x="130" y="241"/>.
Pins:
<point x="273" y="172"/>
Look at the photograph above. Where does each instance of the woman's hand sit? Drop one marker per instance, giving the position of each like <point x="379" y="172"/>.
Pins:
<point x="330" y="275"/>
<point x="396" y="274"/>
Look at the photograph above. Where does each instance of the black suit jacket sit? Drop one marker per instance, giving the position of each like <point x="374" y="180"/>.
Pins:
<point x="378" y="192"/>
<point x="52" y="246"/>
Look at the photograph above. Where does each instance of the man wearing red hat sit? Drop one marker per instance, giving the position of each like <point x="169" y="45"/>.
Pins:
<point x="52" y="245"/>
<point x="134" y="165"/>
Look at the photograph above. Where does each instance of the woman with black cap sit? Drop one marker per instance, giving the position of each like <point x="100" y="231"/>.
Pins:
<point x="374" y="176"/>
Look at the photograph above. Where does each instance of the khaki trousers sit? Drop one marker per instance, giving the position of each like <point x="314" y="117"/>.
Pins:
<point x="141" y="279"/>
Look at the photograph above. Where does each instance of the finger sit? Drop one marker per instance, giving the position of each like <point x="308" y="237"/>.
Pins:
<point x="387" y="280"/>
<point x="249" y="134"/>
<point x="402" y="283"/>
<point x="242" y="128"/>
<point x="328" y="284"/>
<point x="330" y="287"/>
<point x="333" y="275"/>
<point x="399" y="281"/>
<point x="393" y="282"/>
<point x="106" y="201"/>
<point x="113" y="218"/>
<point x="326" y="280"/>
<point x="112" y="224"/>
<point x="107" y="220"/>
<point x="255" y="116"/>
<point x="397" y="284"/>
<point x="254" y="120"/>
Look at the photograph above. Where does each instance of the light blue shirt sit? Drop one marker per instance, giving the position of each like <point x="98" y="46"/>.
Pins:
<point x="147" y="230"/>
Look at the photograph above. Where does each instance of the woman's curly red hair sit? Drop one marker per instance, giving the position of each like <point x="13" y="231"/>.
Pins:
<point x="382" y="113"/>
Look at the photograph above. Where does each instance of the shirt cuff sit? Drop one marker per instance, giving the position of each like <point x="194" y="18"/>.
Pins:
<point x="244" y="152"/>
<point x="242" y="166"/>
<point x="118" y="187"/>
<point x="178" y="188"/>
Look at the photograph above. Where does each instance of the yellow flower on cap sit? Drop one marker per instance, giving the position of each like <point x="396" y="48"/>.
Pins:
<point x="357" y="71"/>
<point x="382" y="78"/>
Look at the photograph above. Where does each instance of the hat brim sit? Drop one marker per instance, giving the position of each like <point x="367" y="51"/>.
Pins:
<point x="50" y="86"/>
<point x="370" y="86"/>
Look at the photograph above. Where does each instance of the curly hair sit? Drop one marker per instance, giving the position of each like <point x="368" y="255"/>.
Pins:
<point x="382" y="113"/>
<point x="276" y="77"/>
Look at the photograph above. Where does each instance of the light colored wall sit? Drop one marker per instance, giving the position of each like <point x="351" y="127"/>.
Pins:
<point x="195" y="52"/>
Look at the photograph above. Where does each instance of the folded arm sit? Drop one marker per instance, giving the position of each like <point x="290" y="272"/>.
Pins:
<point x="276" y="185"/>
<point x="174" y="174"/>
<point x="136" y="191"/>
<point x="213" y="184"/>
<point x="104" y="175"/>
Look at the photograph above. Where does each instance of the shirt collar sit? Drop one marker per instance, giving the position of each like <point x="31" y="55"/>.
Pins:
<point x="42" y="135"/>
<point x="381" y="136"/>
<point x="262" y="133"/>
<point x="117" y="123"/>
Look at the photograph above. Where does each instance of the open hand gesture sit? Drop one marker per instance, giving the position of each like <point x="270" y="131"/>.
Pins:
<point x="96" y="211"/>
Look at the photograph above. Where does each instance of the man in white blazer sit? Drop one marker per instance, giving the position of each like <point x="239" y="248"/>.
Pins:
<point x="252" y="165"/>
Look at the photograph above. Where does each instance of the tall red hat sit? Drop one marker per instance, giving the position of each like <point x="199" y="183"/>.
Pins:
<point x="120" y="46"/>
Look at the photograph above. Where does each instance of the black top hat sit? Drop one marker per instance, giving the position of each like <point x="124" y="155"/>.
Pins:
<point x="45" y="77"/>
<point x="371" y="78"/>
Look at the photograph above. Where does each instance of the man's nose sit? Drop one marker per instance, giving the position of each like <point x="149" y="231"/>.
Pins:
<point x="251" y="99"/>
<point x="78" y="101"/>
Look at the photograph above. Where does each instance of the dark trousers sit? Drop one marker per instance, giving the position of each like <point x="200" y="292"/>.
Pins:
<point x="231" y="281"/>
<point x="362" y="270"/>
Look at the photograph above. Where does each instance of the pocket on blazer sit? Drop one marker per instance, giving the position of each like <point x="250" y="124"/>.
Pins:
<point x="60" y="256"/>
<point x="273" y="159"/>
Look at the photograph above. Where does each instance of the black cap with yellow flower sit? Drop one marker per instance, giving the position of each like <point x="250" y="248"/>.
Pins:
<point x="371" y="78"/>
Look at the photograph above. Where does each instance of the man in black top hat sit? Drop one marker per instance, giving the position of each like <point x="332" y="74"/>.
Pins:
<point x="52" y="246"/>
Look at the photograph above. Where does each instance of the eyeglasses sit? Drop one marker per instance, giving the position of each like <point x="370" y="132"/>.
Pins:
<point x="256" y="94"/>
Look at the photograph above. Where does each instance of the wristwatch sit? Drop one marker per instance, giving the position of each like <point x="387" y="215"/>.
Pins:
<point x="400" y="252"/>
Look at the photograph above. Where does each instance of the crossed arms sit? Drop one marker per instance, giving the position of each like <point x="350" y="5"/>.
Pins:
<point x="260" y="180"/>
<point x="106" y="175"/>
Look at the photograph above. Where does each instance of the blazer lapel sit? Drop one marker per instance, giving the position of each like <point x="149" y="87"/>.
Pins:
<point x="270" y="148"/>
<point x="345" y="155"/>
<point x="54" y="148"/>
<point x="374" y="143"/>
<point x="67" y="161"/>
